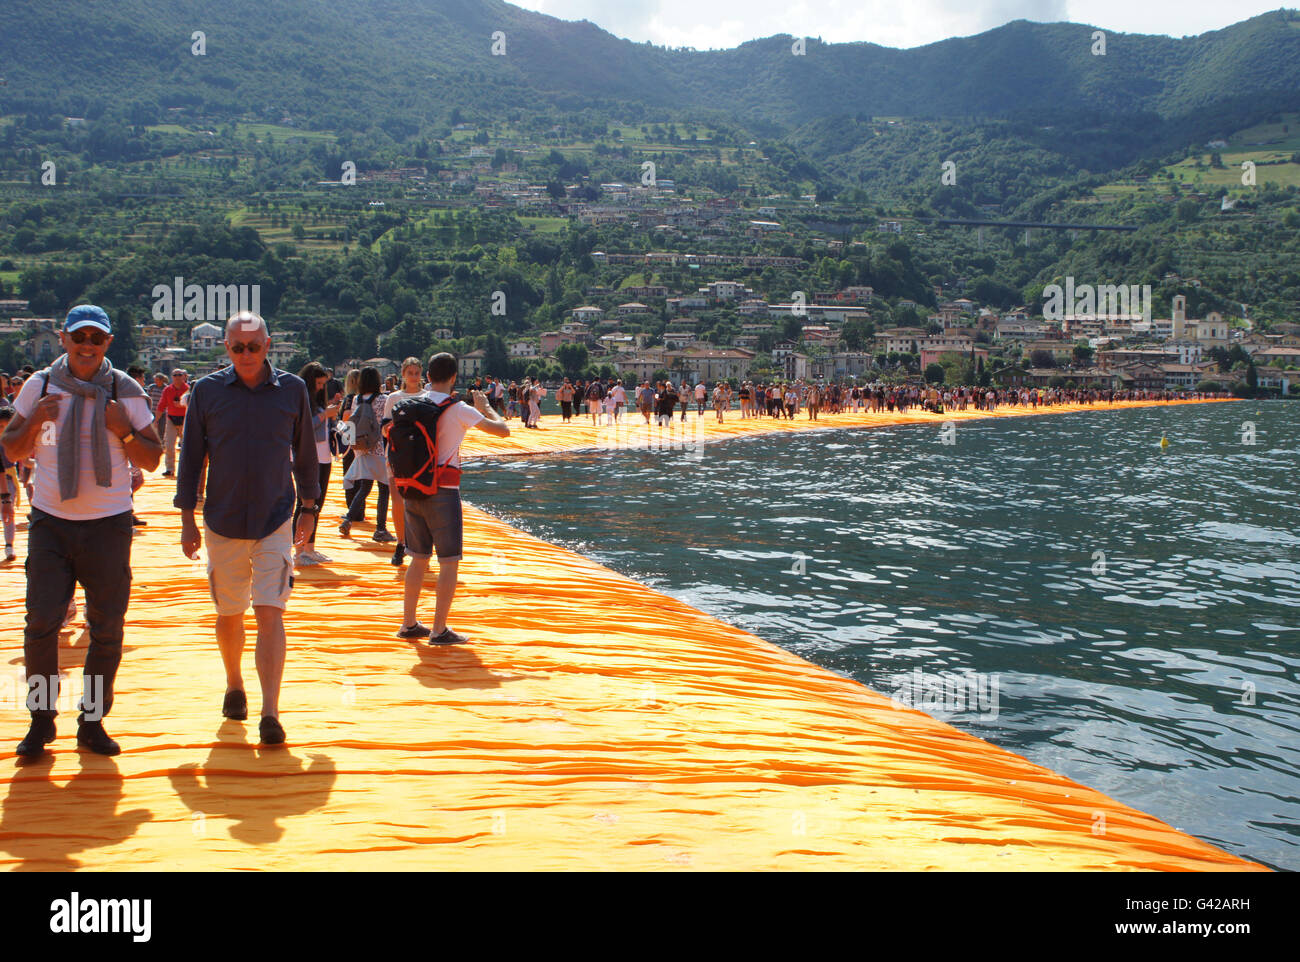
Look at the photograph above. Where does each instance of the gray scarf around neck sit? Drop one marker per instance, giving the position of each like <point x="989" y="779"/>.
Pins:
<point x="97" y="390"/>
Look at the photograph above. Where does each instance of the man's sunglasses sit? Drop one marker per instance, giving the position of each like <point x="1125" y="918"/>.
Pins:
<point x="97" y="338"/>
<point x="239" y="348"/>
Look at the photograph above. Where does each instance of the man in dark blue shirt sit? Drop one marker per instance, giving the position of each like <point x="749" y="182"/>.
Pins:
<point x="253" y="423"/>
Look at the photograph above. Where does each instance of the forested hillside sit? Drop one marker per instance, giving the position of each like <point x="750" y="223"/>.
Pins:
<point x="142" y="140"/>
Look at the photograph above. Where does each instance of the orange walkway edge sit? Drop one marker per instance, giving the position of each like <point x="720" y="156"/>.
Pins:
<point x="554" y="436"/>
<point x="593" y="723"/>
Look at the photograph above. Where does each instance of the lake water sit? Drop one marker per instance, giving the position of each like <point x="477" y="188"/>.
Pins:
<point x="1130" y="617"/>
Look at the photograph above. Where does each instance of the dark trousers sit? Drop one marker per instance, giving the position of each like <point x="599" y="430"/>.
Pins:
<point x="324" y="484"/>
<point x="61" y="554"/>
<point x="566" y="409"/>
<point x="357" y="506"/>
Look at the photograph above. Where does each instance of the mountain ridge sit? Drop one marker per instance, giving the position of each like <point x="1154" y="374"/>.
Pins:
<point x="382" y="55"/>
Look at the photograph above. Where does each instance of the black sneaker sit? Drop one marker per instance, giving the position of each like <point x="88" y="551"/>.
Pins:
<point x="166" y="474"/>
<point x="416" y="630"/>
<point x="270" y="731"/>
<point x="449" y="637"/>
<point x="137" y="522"/>
<point x="399" y="555"/>
<point x="91" y="734"/>
<point x="38" y="736"/>
<point x="383" y="536"/>
<point x="235" y="706"/>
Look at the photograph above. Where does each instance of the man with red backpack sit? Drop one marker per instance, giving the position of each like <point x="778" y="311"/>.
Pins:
<point x="424" y="453"/>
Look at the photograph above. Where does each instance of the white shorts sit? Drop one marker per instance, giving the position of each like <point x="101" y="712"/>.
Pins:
<point x="243" y="572"/>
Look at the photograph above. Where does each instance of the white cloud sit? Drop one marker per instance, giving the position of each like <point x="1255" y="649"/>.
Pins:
<point x="892" y="23"/>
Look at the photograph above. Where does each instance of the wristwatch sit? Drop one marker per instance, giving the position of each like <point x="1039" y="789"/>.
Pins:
<point x="130" y="436"/>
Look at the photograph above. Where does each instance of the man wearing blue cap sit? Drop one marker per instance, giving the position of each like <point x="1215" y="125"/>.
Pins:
<point x="82" y="420"/>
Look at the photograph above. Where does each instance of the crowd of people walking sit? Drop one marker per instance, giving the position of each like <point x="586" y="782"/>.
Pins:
<point x="253" y="448"/>
<point x="256" y="451"/>
<point x="606" y="400"/>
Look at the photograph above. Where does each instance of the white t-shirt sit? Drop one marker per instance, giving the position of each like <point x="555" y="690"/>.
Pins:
<point x="91" y="501"/>
<point x="700" y="391"/>
<point x="620" y="394"/>
<point x="391" y="401"/>
<point x="453" y="425"/>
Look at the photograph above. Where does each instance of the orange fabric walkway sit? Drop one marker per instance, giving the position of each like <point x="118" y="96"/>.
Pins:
<point x="592" y="724"/>
<point x="555" y="436"/>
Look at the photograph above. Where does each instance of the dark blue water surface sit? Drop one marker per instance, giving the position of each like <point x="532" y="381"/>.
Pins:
<point x="1137" y="608"/>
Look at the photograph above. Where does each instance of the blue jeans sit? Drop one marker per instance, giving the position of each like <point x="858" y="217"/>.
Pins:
<point x="357" y="506"/>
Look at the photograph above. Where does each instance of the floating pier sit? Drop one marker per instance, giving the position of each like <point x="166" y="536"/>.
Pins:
<point x="555" y="436"/>
<point x="592" y="723"/>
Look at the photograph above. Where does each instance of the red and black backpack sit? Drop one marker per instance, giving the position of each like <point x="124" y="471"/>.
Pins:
<point x="413" y="448"/>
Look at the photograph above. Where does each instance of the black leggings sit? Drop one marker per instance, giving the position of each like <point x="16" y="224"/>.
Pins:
<point x="320" y="502"/>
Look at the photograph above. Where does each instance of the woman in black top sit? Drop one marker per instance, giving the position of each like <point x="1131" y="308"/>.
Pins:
<point x="667" y="401"/>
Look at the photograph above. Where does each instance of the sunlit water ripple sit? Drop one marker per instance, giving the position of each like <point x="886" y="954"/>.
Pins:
<point x="1139" y="609"/>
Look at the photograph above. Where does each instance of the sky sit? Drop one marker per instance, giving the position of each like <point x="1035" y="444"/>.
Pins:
<point x="707" y="24"/>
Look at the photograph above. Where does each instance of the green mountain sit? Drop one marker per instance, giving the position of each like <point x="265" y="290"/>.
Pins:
<point x="345" y="65"/>
<point x="221" y="167"/>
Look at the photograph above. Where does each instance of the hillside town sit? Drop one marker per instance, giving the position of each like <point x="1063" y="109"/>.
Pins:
<point x="802" y="340"/>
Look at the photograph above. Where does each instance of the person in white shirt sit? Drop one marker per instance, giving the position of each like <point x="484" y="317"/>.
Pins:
<point x="85" y="423"/>
<point x="412" y="386"/>
<point x="435" y="524"/>
<point x="535" y="404"/>
<point x="620" y="399"/>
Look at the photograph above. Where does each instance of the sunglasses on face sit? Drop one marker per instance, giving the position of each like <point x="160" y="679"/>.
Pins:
<point x="240" y="348"/>
<point x="97" y="338"/>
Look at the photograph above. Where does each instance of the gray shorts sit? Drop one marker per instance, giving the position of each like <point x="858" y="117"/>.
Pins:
<point x="434" y="524"/>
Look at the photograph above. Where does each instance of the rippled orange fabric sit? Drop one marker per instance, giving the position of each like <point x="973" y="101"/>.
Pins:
<point x="554" y="435"/>
<point x="592" y="723"/>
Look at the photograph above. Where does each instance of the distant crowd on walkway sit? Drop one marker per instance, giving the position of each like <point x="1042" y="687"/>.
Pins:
<point x="659" y="402"/>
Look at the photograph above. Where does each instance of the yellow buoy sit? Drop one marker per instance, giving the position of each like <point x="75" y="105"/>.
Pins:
<point x="1164" y="442"/>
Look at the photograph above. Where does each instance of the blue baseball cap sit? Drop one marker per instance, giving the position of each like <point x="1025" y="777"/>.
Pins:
<point x="87" y="315"/>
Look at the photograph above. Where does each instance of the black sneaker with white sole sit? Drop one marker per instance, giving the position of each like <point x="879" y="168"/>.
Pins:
<point x="448" y="637"/>
<point x="416" y="630"/>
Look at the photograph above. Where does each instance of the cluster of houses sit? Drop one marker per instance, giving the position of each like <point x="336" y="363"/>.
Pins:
<point x="652" y="203"/>
<point x="1127" y="351"/>
<point x="1161" y="354"/>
